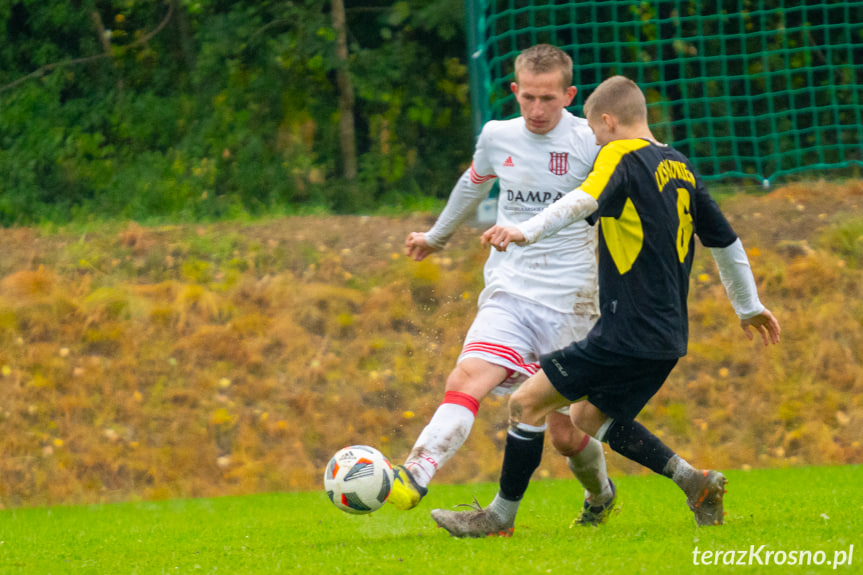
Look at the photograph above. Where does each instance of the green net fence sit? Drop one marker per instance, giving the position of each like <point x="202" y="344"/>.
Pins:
<point x="746" y="88"/>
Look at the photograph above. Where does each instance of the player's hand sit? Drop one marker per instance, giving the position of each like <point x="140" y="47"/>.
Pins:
<point x="417" y="246"/>
<point x="501" y="236"/>
<point x="764" y="323"/>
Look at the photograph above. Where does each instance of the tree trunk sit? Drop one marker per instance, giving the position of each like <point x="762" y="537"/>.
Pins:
<point x="105" y="40"/>
<point x="187" y="44"/>
<point x="346" y="93"/>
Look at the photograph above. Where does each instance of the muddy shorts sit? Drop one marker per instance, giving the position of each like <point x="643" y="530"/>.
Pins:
<point x="514" y="332"/>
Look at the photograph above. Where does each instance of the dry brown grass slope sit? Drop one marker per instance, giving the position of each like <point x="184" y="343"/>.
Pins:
<point x="224" y="359"/>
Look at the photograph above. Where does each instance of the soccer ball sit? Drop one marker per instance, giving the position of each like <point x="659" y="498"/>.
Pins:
<point x="358" y="479"/>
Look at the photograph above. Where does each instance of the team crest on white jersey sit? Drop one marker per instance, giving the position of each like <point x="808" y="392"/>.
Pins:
<point x="559" y="163"/>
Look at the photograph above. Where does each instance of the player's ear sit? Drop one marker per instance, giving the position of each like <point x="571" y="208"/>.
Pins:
<point x="570" y="94"/>
<point x="514" y="87"/>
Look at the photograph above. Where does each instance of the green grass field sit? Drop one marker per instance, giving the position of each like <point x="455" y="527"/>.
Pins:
<point x="804" y="515"/>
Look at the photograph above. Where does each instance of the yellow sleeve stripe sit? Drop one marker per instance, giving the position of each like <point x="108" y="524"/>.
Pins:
<point x="606" y="162"/>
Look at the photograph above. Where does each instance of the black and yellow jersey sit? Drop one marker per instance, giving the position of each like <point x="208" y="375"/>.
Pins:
<point x="651" y="203"/>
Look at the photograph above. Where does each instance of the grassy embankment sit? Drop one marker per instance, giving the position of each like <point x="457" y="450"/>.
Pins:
<point x="144" y="363"/>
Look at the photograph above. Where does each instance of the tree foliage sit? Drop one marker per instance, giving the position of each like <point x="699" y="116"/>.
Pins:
<point x="203" y="109"/>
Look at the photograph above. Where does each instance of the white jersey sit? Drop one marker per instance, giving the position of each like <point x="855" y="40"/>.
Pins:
<point x="533" y="171"/>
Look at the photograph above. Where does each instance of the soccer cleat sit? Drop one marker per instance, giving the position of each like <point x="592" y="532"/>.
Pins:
<point x="474" y="523"/>
<point x="704" y="491"/>
<point x="597" y="515"/>
<point x="406" y="492"/>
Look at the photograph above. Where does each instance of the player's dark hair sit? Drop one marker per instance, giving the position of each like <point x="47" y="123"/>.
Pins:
<point x="543" y="58"/>
<point x="620" y="97"/>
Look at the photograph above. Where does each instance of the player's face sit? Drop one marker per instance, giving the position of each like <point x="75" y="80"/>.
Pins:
<point x="542" y="98"/>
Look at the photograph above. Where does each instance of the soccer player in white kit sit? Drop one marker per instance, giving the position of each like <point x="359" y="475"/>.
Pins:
<point x="537" y="298"/>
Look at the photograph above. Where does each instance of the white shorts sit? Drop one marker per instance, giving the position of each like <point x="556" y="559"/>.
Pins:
<point x="513" y="332"/>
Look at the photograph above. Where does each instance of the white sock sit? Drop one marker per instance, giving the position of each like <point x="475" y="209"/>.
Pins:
<point x="588" y="466"/>
<point x="442" y="437"/>
<point x="679" y="470"/>
<point x="503" y="509"/>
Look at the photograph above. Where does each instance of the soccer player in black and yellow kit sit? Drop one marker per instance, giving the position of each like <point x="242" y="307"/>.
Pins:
<point x="649" y="204"/>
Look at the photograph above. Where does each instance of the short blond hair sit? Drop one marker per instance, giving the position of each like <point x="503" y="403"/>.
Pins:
<point x="543" y="58"/>
<point x="620" y="97"/>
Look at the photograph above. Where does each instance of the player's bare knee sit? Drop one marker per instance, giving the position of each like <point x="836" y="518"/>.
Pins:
<point x="516" y="409"/>
<point x="466" y="378"/>
<point x="565" y="438"/>
<point x="457" y="379"/>
<point x="564" y="441"/>
<point x="522" y="410"/>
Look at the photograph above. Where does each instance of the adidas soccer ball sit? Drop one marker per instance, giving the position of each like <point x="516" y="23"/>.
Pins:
<point x="358" y="479"/>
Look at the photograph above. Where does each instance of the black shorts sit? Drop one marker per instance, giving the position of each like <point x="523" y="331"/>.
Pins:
<point x="619" y="385"/>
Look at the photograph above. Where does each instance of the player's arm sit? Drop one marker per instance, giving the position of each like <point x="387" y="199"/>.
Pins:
<point x="716" y="234"/>
<point x="574" y="206"/>
<point x="736" y="275"/>
<point x="465" y="198"/>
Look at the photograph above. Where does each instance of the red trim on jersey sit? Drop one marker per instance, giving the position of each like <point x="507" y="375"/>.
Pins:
<point x="463" y="399"/>
<point x="477" y="179"/>
<point x="502" y="352"/>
